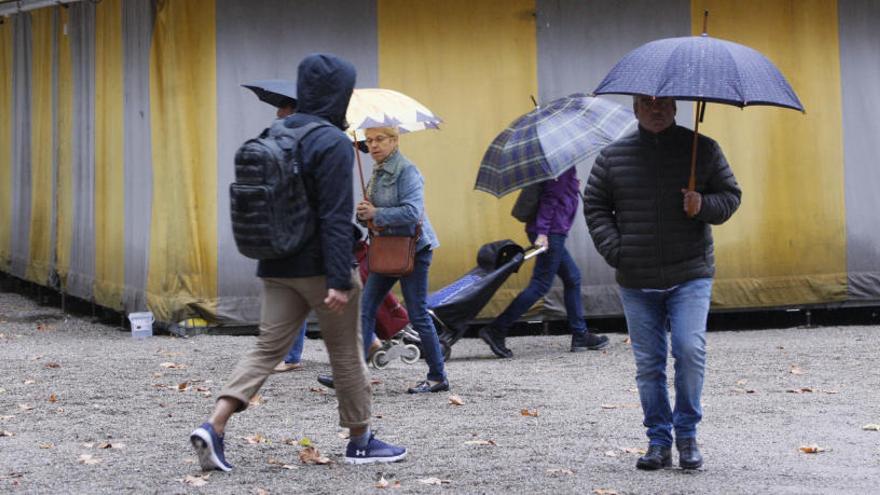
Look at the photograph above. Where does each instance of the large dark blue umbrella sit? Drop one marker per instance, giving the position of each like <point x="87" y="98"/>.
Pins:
<point x="701" y="69"/>
<point x="549" y="140"/>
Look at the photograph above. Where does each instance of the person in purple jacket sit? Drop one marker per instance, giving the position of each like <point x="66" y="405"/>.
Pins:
<point x="556" y="210"/>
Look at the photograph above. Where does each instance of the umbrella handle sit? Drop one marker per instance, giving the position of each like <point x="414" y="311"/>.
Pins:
<point x="357" y="154"/>
<point x="692" y="181"/>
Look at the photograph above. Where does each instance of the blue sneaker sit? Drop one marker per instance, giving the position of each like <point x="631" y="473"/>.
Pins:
<point x="209" y="448"/>
<point x="375" y="451"/>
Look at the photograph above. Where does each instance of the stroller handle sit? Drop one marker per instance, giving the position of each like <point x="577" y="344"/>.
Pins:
<point x="535" y="251"/>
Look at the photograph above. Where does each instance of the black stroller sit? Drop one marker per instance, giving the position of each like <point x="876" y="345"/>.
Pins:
<point x="457" y="304"/>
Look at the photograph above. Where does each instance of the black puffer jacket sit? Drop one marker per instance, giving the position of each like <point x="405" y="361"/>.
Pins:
<point x="633" y="205"/>
<point x="324" y="88"/>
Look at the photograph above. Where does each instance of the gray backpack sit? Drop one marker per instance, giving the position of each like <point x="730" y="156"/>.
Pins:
<point x="272" y="216"/>
<point x="526" y="207"/>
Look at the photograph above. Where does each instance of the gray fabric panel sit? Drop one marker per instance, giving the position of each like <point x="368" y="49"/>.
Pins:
<point x="266" y="39"/>
<point x="578" y="43"/>
<point x="859" y="75"/>
<point x="53" y="274"/>
<point x="137" y="30"/>
<point x="81" y="30"/>
<point x="22" y="82"/>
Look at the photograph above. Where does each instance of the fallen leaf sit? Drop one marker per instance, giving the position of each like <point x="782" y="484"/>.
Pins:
<point x="631" y="450"/>
<point x="261" y="491"/>
<point x="310" y="455"/>
<point x="2" y="390"/>
<point x="560" y="472"/>
<point x="183" y="387"/>
<point x="609" y="406"/>
<point x="88" y="445"/>
<point x="741" y="382"/>
<point x="434" y="481"/>
<point x="52" y="365"/>
<point x="343" y="435"/>
<point x="88" y="459"/>
<point x="480" y="442"/>
<point x="25" y="407"/>
<point x="812" y="449"/>
<point x="53" y="398"/>
<point x="796" y="370"/>
<point x="47" y="445"/>
<point x="202" y="388"/>
<point x="108" y="445"/>
<point x="382" y="483"/>
<point x="378" y="416"/>
<point x="611" y="453"/>
<point x="304" y="442"/>
<point x="200" y="480"/>
<point x="455" y="400"/>
<point x="4" y="433"/>
<point x="7" y="417"/>
<point x="375" y="381"/>
<point x="318" y="390"/>
<point x="628" y="341"/>
<point x="831" y="392"/>
<point x="257" y="400"/>
<point x="255" y="439"/>
<point x="871" y="427"/>
<point x="157" y="374"/>
<point x="277" y="462"/>
<point x="526" y="412"/>
<point x="60" y="410"/>
<point x="605" y="491"/>
<point x="29" y="381"/>
<point x="37" y="357"/>
<point x="172" y="366"/>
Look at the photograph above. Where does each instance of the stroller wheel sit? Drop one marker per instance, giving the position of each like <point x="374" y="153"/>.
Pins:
<point x="411" y="354"/>
<point x="380" y="359"/>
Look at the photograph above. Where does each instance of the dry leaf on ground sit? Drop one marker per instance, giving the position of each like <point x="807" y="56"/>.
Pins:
<point x="310" y="455"/>
<point x="455" y="400"/>
<point x="871" y="427"/>
<point x="53" y="398"/>
<point x="631" y="450"/>
<point x="172" y="366"/>
<point x="52" y="365"/>
<point x="88" y="459"/>
<point x="610" y="453"/>
<point x="4" y="433"/>
<point x="257" y="400"/>
<point x="434" y="481"/>
<point x="560" y="472"/>
<point x="526" y="412"/>
<point x="25" y="407"/>
<point x="47" y="445"/>
<point x="480" y="442"/>
<point x="183" y="387"/>
<point x="318" y="390"/>
<point x="255" y="439"/>
<point x="276" y="462"/>
<point x="7" y="417"/>
<point x="29" y="381"/>
<point x="605" y="491"/>
<point x="261" y="491"/>
<point x="108" y="445"/>
<point x="199" y="480"/>
<point x="812" y="449"/>
<point x="801" y="390"/>
<point x="796" y="370"/>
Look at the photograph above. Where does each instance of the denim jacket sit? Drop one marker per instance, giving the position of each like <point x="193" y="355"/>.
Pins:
<point x="397" y="190"/>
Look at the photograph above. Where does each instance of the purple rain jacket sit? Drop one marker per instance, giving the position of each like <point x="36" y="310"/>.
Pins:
<point x="558" y="205"/>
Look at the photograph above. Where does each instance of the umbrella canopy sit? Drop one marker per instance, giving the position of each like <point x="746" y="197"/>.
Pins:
<point x="549" y="140"/>
<point x="377" y="107"/>
<point x="700" y="68"/>
<point x="276" y="92"/>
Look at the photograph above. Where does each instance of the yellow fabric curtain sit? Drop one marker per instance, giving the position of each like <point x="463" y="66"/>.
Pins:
<point x="64" y="123"/>
<point x="787" y="243"/>
<point x="183" y="112"/>
<point x="432" y="51"/>
<point x="5" y="143"/>
<point x="42" y="148"/>
<point x="109" y="161"/>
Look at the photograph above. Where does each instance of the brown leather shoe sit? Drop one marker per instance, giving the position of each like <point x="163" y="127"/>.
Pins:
<point x="285" y="367"/>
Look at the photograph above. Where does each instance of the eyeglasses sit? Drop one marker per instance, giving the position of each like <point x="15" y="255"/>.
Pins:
<point x="378" y="140"/>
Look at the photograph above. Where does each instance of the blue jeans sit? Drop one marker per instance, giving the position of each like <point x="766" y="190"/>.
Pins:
<point x="683" y="311"/>
<point x="415" y="294"/>
<point x="296" y="350"/>
<point x="555" y="261"/>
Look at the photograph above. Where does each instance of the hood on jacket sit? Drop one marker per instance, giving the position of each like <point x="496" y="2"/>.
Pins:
<point x="323" y="87"/>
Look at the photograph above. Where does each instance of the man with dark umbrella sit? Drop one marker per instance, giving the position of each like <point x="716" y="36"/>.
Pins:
<point x="636" y="211"/>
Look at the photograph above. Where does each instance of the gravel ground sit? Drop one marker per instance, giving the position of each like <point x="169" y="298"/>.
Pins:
<point x="70" y="388"/>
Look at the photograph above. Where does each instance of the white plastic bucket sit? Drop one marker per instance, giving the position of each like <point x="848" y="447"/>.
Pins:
<point x="141" y="324"/>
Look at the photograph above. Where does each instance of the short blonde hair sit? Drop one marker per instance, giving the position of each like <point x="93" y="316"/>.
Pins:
<point x="388" y="131"/>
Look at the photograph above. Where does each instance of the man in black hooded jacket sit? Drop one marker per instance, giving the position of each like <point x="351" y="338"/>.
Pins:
<point x="319" y="277"/>
<point x="657" y="235"/>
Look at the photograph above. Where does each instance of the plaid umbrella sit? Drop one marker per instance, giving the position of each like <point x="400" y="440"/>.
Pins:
<point x="549" y="140"/>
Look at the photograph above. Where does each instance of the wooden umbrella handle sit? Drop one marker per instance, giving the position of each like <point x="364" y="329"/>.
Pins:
<point x="692" y="181"/>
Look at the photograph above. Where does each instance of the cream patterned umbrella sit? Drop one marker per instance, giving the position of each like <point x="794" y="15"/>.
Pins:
<point x="377" y="107"/>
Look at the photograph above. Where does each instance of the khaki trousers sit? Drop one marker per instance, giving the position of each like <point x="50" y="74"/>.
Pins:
<point x="285" y="305"/>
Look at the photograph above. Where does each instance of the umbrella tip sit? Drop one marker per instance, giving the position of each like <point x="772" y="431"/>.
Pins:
<point x="534" y="101"/>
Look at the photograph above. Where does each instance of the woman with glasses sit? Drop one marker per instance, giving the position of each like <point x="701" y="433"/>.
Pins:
<point x="395" y="205"/>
